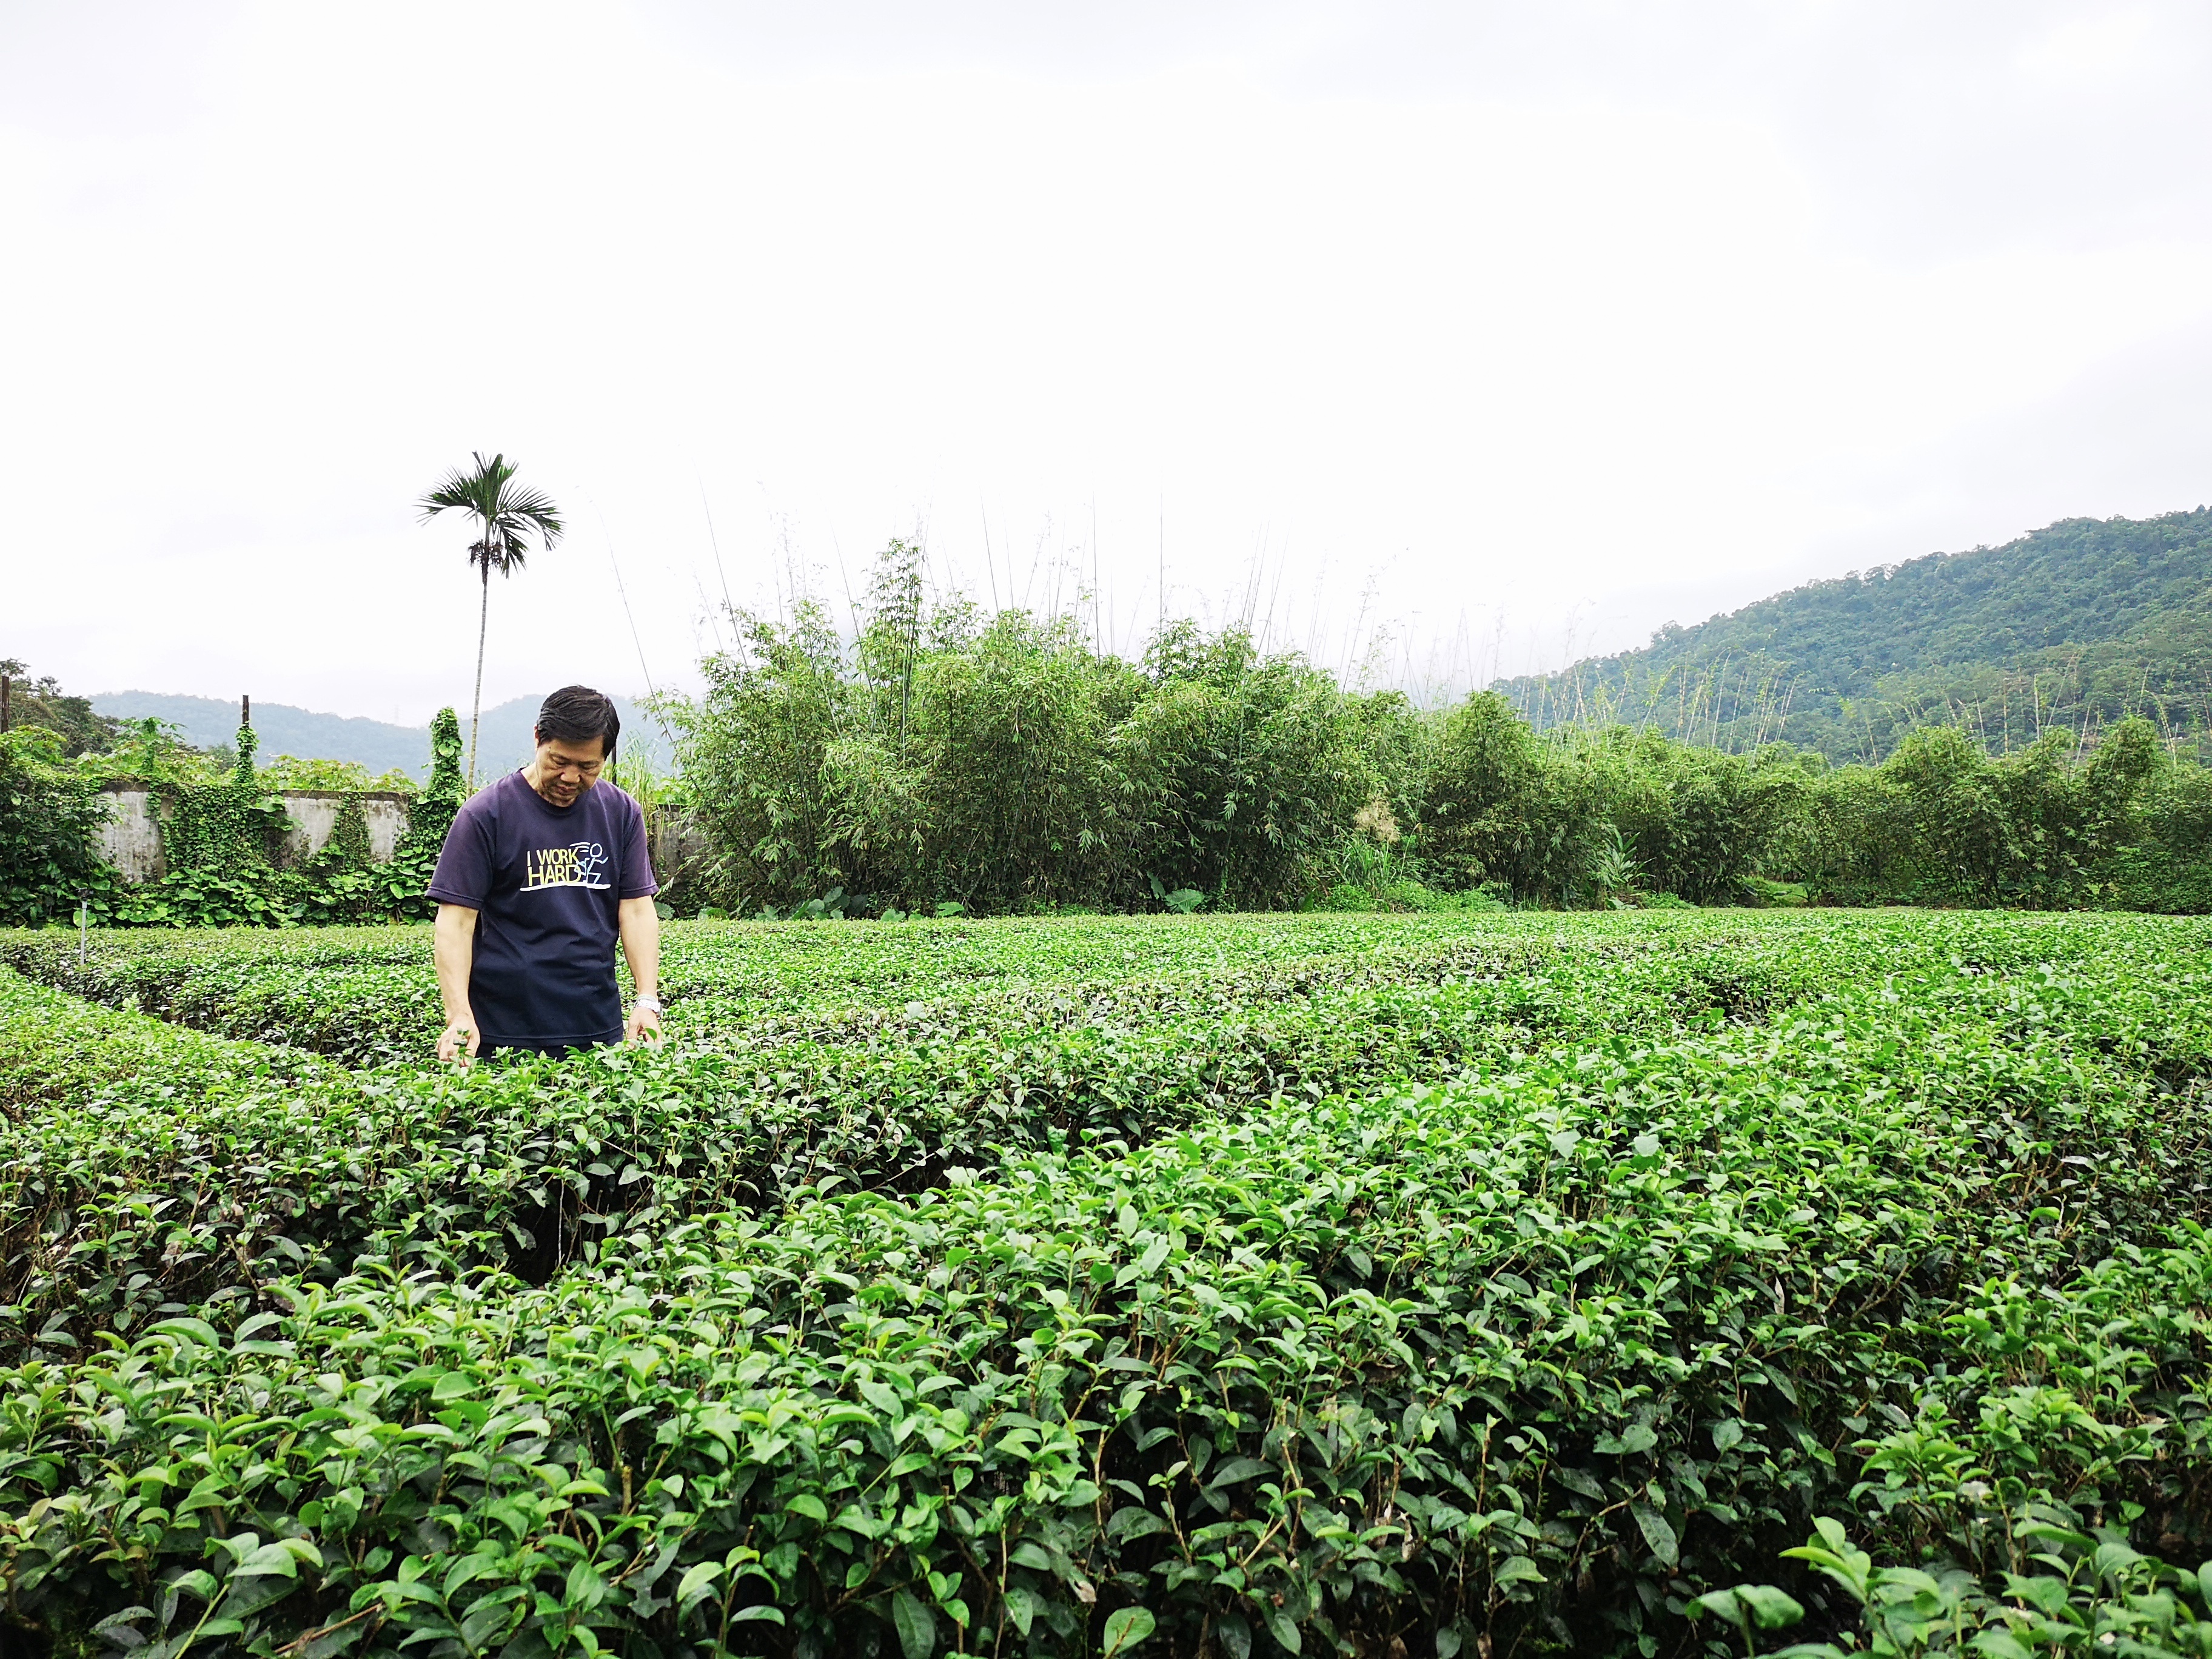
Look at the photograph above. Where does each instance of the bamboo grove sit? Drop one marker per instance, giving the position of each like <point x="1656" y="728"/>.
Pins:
<point x="934" y="755"/>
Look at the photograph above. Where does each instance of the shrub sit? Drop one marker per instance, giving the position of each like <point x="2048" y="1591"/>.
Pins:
<point x="1245" y="768"/>
<point x="49" y="822"/>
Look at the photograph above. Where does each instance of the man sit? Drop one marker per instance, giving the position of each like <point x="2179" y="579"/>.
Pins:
<point x="541" y="873"/>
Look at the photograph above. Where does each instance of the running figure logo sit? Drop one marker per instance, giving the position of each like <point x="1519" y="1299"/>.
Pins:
<point x="564" y="866"/>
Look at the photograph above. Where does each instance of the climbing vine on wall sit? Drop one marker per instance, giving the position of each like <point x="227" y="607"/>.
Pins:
<point x="222" y="841"/>
<point x="233" y="828"/>
<point x="432" y="812"/>
<point x="348" y="840"/>
<point x="351" y="889"/>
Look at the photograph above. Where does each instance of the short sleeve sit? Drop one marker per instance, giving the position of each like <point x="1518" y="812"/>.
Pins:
<point x="465" y="863"/>
<point x="637" y="880"/>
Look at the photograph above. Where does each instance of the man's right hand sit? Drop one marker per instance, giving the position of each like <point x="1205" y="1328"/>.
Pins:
<point x="460" y="1041"/>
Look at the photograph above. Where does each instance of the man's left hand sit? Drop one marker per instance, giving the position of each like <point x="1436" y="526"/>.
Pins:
<point x="644" y="1026"/>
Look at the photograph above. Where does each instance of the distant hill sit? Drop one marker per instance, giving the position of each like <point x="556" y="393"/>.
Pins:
<point x="2075" y="626"/>
<point x="377" y="745"/>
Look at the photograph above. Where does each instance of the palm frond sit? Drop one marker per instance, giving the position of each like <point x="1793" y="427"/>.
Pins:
<point x="534" y="507"/>
<point x="476" y="492"/>
<point x="507" y="513"/>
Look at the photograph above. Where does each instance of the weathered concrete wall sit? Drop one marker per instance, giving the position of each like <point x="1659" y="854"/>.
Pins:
<point x="132" y="839"/>
<point x="314" y="815"/>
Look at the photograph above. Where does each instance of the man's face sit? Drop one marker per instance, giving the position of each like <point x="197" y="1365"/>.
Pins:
<point x="566" y="769"/>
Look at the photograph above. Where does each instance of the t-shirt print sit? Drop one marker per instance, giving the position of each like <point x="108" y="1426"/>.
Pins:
<point x="583" y="863"/>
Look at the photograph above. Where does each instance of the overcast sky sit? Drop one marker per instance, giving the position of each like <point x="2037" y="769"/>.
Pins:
<point x="1450" y="339"/>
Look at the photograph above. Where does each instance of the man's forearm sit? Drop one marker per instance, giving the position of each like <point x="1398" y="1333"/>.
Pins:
<point x="454" y="950"/>
<point x="641" y="943"/>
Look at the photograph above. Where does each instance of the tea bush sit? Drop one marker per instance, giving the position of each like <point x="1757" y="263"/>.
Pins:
<point x="1517" y="1285"/>
<point x="364" y="994"/>
<point x="304" y="1176"/>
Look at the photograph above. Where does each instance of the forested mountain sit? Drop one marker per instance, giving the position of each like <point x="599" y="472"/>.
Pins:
<point x="2075" y="625"/>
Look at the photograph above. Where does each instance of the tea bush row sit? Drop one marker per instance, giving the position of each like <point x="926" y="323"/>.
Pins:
<point x="155" y="1185"/>
<point x="1541" y="1358"/>
<point x="154" y="1171"/>
<point x="1716" y="1232"/>
<point x="365" y="995"/>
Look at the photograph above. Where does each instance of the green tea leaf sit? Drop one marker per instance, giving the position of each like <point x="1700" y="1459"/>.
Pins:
<point x="1658" y="1533"/>
<point x="1126" y="1628"/>
<point x="916" y="1623"/>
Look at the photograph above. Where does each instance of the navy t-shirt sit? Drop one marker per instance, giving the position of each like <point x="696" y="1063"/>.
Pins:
<point x="545" y="884"/>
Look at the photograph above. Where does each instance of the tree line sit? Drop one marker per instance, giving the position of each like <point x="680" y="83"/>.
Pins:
<point x="935" y="755"/>
<point x="932" y="756"/>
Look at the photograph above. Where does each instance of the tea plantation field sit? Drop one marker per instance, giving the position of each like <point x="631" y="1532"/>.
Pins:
<point x="1641" y="1284"/>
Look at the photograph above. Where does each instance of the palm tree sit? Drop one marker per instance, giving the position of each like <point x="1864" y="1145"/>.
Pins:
<point x="506" y="513"/>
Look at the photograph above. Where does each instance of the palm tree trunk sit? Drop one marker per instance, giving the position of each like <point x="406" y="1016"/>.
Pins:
<point x="476" y="708"/>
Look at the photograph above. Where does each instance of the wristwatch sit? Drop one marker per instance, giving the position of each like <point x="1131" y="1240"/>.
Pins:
<point x="643" y="1003"/>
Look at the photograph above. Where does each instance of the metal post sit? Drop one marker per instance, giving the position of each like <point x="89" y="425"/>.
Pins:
<point x="245" y="711"/>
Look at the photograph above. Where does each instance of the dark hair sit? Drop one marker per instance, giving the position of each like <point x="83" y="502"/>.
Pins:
<point x="576" y="714"/>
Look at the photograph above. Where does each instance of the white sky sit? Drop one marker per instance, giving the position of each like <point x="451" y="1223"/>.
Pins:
<point x="1517" y="329"/>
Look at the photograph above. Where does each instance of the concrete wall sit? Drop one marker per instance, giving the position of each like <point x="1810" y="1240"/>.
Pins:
<point x="131" y="840"/>
<point x="314" y="815"/>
